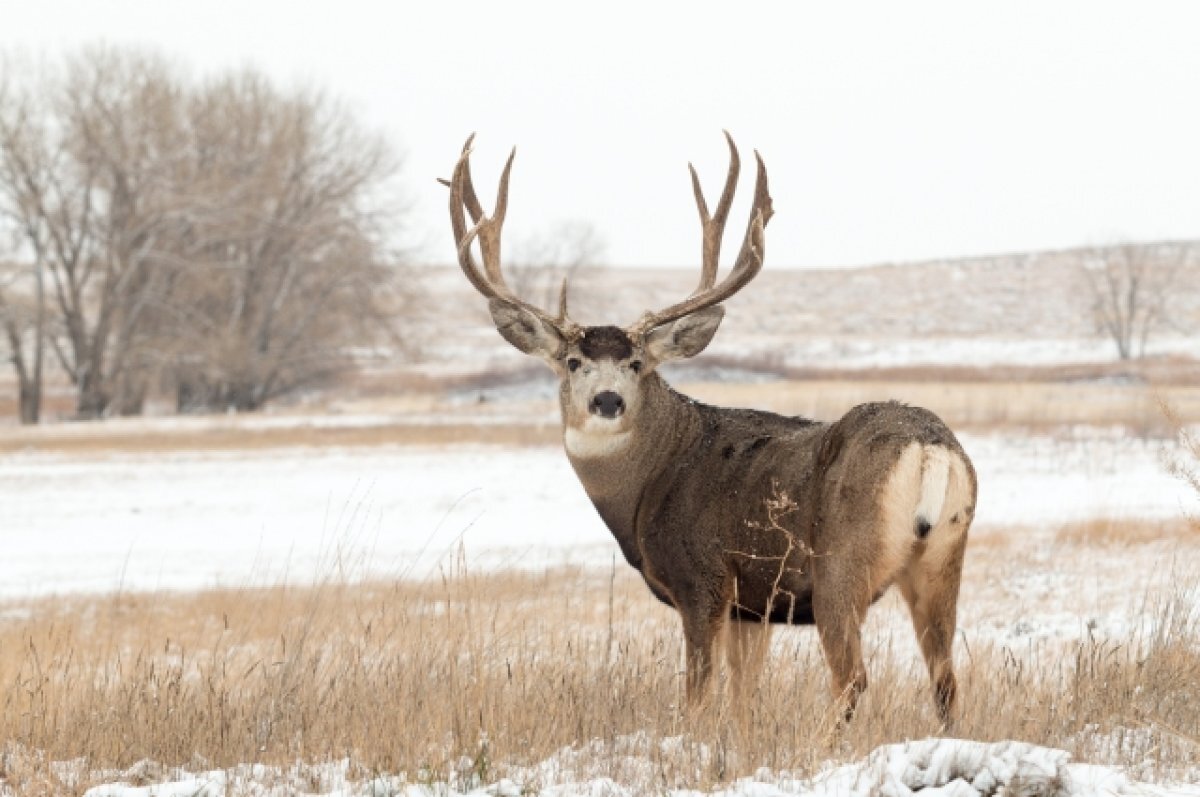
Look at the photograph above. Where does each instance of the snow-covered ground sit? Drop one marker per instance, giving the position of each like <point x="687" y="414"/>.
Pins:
<point x="848" y="352"/>
<point x="930" y="767"/>
<point x="101" y="522"/>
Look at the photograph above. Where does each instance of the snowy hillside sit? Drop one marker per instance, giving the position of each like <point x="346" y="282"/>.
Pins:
<point x="1007" y="309"/>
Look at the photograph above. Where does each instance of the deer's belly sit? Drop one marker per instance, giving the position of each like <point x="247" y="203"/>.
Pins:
<point x="791" y="608"/>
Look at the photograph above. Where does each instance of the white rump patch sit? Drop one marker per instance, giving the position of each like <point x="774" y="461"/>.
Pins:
<point x="935" y="479"/>
<point x="589" y="442"/>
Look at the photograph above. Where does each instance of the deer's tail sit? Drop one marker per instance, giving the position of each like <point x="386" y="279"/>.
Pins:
<point x="935" y="481"/>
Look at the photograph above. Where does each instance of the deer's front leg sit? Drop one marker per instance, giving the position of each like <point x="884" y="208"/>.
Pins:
<point x="704" y="608"/>
<point x="701" y="630"/>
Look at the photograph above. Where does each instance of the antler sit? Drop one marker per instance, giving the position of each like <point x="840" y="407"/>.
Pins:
<point x="490" y="282"/>
<point x="749" y="261"/>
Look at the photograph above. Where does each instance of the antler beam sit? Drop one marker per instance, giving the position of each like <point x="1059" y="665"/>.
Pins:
<point x="490" y="280"/>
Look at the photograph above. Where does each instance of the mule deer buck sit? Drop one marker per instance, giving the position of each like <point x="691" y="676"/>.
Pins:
<point x="883" y="496"/>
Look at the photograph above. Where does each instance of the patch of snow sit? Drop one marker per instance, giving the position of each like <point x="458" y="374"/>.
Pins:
<point x="871" y="352"/>
<point x="188" y="520"/>
<point x="1028" y="479"/>
<point x="929" y="767"/>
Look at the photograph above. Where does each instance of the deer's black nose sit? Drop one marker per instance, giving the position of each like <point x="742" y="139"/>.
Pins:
<point x="607" y="404"/>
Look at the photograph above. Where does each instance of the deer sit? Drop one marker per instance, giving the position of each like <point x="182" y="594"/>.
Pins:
<point x="882" y="496"/>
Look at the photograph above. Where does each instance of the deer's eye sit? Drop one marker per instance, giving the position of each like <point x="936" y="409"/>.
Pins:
<point x="636" y="366"/>
<point x="573" y="363"/>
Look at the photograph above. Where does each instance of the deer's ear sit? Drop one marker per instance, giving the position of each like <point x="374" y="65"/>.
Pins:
<point x="684" y="337"/>
<point x="526" y="331"/>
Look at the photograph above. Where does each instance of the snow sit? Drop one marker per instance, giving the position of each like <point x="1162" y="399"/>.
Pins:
<point x="869" y="352"/>
<point x="771" y="351"/>
<point x="187" y="520"/>
<point x="930" y="767"/>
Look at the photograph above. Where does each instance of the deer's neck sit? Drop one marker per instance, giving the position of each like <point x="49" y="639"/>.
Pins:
<point x="615" y="472"/>
<point x="612" y="463"/>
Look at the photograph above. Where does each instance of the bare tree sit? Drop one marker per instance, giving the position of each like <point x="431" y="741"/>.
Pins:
<point x="79" y="154"/>
<point x="222" y="240"/>
<point x="1130" y="289"/>
<point x="22" y="290"/>
<point x="285" y="258"/>
<point x="22" y="318"/>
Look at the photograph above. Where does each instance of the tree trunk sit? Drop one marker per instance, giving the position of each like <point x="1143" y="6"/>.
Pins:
<point x="30" y="401"/>
<point x="91" y="400"/>
<point x="31" y="404"/>
<point x="29" y="385"/>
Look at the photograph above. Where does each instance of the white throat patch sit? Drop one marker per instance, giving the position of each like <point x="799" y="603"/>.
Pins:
<point x="591" y="442"/>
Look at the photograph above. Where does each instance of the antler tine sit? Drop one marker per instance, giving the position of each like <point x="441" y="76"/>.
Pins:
<point x="469" y="197"/>
<point x="753" y="246"/>
<point x="490" y="228"/>
<point x="746" y="268"/>
<point x="490" y="281"/>
<point x="458" y="222"/>
<point x="713" y="227"/>
<point x="562" y="301"/>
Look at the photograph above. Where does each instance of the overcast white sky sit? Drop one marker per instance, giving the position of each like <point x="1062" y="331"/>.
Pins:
<point x="892" y="131"/>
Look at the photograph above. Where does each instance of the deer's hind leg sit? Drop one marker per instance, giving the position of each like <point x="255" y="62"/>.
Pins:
<point x="930" y="585"/>
<point x="932" y="598"/>
<point x="860" y="552"/>
<point x="841" y="596"/>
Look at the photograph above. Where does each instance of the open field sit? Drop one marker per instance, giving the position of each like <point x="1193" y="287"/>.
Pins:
<point x="1081" y="639"/>
<point x="285" y="509"/>
<point x="99" y="520"/>
<point x="400" y="588"/>
<point x="457" y="615"/>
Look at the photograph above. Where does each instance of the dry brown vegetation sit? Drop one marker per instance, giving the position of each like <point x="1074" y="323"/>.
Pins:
<point x="976" y="406"/>
<point x="1109" y="532"/>
<point x="431" y="419"/>
<point x="475" y="676"/>
<point x="467" y="676"/>
<point x="242" y="438"/>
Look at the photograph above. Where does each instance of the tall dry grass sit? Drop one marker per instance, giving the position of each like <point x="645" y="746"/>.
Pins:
<point x="468" y="676"/>
<point x="976" y="406"/>
<point x="1184" y="461"/>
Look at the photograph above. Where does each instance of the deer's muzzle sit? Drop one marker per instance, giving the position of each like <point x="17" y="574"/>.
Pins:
<point x="607" y="404"/>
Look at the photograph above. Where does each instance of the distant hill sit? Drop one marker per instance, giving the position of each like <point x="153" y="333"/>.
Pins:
<point x="1016" y="309"/>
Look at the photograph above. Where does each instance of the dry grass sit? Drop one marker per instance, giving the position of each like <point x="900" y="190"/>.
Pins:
<point x="1110" y="532"/>
<point x="967" y="406"/>
<point x="975" y="406"/>
<point x="466" y="676"/>
<point x="1184" y="464"/>
<point x="1179" y="371"/>
<point x="102" y="437"/>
